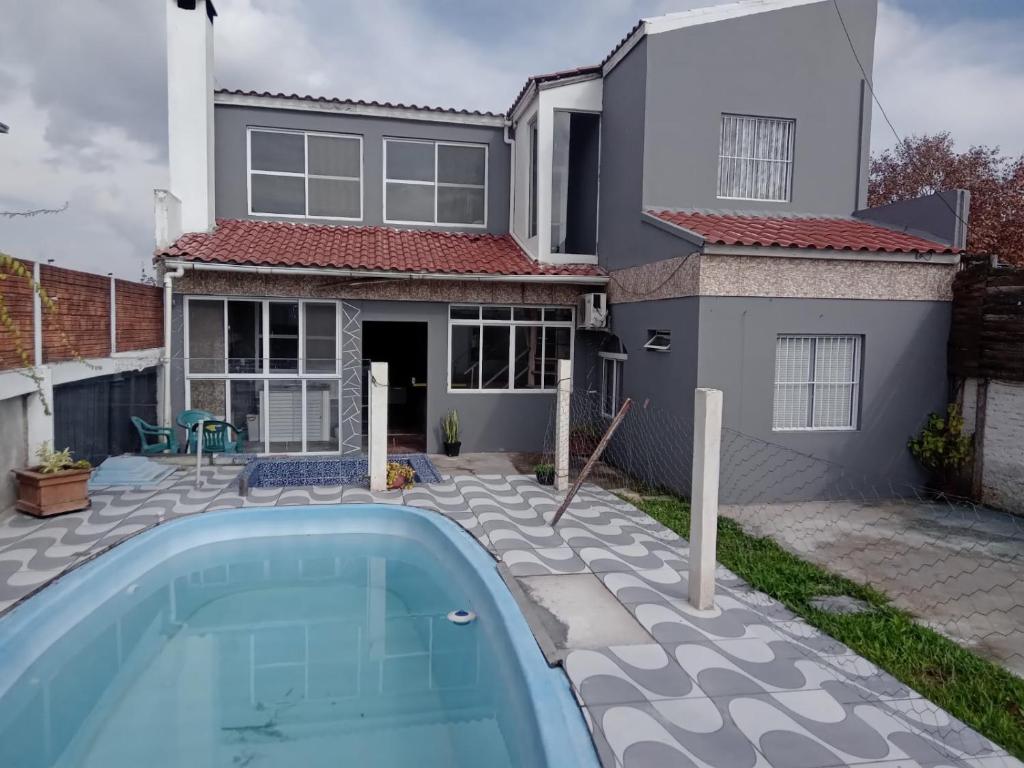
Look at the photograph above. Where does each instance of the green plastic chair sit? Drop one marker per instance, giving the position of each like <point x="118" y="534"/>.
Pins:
<point x="216" y="437"/>
<point x="188" y="420"/>
<point x="155" y="439"/>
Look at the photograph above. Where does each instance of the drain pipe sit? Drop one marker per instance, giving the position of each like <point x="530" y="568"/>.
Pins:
<point x="511" y="142"/>
<point x="169" y="276"/>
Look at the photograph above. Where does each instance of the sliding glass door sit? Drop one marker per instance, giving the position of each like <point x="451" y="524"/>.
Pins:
<point x="269" y="366"/>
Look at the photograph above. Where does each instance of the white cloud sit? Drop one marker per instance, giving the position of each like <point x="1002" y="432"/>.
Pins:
<point x="966" y="78"/>
<point x="82" y="87"/>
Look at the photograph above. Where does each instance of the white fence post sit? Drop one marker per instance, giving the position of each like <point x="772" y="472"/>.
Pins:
<point x="39" y="413"/>
<point x="562" y="425"/>
<point x="707" y="448"/>
<point x="378" y="426"/>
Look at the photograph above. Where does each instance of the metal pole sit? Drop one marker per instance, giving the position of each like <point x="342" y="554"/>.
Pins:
<point x="199" y="453"/>
<point x="592" y="460"/>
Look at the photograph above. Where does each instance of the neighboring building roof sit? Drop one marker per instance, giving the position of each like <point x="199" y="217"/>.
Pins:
<point x="814" y="232"/>
<point x="370" y="249"/>
<point x="354" y="102"/>
<point x="551" y="77"/>
<point x="3" y="128"/>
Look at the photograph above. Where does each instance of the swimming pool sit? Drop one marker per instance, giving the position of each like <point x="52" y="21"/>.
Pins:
<point x="306" y="636"/>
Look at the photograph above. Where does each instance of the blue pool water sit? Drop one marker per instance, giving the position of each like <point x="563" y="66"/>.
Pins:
<point x="306" y="637"/>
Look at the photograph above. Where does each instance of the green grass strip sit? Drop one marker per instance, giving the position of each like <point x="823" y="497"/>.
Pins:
<point x="982" y="694"/>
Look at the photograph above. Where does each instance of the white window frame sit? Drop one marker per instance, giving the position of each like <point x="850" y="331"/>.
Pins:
<point x="306" y="175"/>
<point x="266" y="376"/>
<point x="435" y="183"/>
<point x="854" y="384"/>
<point x="511" y="325"/>
<point x="789" y="163"/>
<point x="616" y="361"/>
<point x="654" y="345"/>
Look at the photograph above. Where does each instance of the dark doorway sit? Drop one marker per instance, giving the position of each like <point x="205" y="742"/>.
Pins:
<point x="403" y="346"/>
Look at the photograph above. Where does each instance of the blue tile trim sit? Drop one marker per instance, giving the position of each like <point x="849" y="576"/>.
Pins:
<point x="320" y="470"/>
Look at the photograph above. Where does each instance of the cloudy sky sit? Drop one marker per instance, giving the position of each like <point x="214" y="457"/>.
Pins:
<point x="82" y="85"/>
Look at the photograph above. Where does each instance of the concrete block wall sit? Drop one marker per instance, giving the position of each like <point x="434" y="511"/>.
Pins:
<point x="1002" y="446"/>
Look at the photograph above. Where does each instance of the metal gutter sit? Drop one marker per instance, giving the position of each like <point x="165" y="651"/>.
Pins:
<point x="203" y="266"/>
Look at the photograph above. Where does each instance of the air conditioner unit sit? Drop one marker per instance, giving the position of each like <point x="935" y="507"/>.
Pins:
<point x="592" y="310"/>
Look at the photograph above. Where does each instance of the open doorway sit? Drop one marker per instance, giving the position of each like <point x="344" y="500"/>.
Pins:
<point x="403" y="346"/>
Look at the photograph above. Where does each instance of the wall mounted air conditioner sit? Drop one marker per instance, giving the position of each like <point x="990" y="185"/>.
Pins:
<point x="592" y="310"/>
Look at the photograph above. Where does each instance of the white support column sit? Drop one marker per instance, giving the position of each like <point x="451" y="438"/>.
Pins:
<point x="378" y="426"/>
<point x="562" y="411"/>
<point x="113" y="314"/>
<point x="37" y="317"/>
<point x="39" y="412"/>
<point x="707" y="448"/>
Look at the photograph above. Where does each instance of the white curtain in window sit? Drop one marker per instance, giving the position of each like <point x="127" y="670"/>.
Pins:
<point x="755" y="158"/>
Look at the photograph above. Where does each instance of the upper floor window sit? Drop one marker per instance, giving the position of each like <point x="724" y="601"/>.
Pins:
<point x="817" y="382"/>
<point x="533" y="178"/>
<point x="303" y="174"/>
<point x="435" y="182"/>
<point x="755" y="158"/>
<point x="575" y="148"/>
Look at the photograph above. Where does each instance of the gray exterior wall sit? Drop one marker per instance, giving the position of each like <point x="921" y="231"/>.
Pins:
<point x="903" y="379"/>
<point x="729" y="344"/>
<point x="490" y="421"/>
<point x="230" y="129"/>
<point x="13" y="448"/>
<point x="793" y="63"/>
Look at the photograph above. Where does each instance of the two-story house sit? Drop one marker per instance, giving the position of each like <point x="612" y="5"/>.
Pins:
<point x="709" y="177"/>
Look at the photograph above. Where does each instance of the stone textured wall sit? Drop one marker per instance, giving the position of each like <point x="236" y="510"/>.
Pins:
<point x="380" y="289"/>
<point x="1002" y="446"/>
<point x="782" y="277"/>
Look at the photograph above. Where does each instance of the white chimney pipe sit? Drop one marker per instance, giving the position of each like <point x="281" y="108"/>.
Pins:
<point x="190" y="110"/>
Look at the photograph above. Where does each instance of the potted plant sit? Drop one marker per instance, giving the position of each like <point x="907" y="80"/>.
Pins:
<point x="943" y="449"/>
<point x="56" y="485"/>
<point x="450" y="430"/>
<point x="400" y="476"/>
<point x="545" y="473"/>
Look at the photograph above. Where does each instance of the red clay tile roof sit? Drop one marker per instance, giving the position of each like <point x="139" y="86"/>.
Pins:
<point x="377" y="249"/>
<point x="822" y="233"/>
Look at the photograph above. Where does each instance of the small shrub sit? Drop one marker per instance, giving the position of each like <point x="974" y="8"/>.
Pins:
<point x="942" y="447"/>
<point x="52" y="462"/>
<point x="400" y="475"/>
<point x="450" y="426"/>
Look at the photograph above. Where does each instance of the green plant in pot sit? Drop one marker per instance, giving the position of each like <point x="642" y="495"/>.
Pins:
<point x="943" y="449"/>
<point x="545" y="473"/>
<point x="57" y="484"/>
<point x="450" y="432"/>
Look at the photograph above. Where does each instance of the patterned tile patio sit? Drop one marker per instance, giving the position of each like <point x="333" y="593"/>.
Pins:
<point x="747" y="684"/>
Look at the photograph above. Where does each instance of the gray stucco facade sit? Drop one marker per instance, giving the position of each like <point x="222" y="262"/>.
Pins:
<point x="729" y="343"/>
<point x="792" y="63"/>
<point x="231" y="126"/>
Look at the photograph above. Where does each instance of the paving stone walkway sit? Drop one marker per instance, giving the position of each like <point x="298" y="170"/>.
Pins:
<point x="747" y="684"/>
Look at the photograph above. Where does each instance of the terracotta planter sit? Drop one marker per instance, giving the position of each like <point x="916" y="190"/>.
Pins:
<point x="52" y="494"/>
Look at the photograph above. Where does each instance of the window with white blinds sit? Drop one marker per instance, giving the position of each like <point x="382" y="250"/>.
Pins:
<point x="817" y="382"/>
<point x="755" y="158"/>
